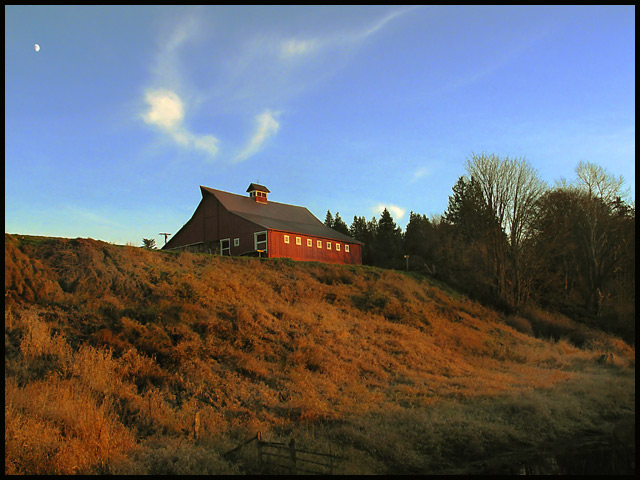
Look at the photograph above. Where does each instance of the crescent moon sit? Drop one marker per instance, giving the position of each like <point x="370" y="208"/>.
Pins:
<point x="36" y="47"/>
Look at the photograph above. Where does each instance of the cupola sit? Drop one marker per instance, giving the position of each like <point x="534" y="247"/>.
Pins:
<point x="258" y="192"/>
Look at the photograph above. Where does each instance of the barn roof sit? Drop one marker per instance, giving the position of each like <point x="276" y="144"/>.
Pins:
<point x="277" y="216"/>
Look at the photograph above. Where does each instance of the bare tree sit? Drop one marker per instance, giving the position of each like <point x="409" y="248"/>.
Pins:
<point x="602" y="196"/>
<point x="598" y="182"/>
<point x="511" y="188"/>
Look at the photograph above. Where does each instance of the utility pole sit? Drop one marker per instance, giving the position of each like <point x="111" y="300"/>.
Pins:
<point x="165" y="236"/>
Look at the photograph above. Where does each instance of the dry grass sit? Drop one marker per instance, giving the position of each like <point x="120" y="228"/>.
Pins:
<point x="111" y="351"/>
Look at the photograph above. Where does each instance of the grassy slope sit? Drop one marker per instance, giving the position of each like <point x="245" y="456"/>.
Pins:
<point x="110" y="352"/>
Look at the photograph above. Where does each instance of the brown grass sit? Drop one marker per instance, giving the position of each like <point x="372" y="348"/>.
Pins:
<point x="111" y="351"/>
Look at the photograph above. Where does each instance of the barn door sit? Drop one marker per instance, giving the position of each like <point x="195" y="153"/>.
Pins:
<point x="260" y="241"/>
<point x="225" y="246"/>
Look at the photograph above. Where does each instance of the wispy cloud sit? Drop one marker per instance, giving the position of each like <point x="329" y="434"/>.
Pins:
<point x="293" y="47"/>
<point x="165" y="108"/>
<point x="380" y="23"/>
<point x="421" y="172"/>
<point x="259" y="76"/>
<point x="166" y="112"/>
<point x="266" y="126"/>
<point x="167" y="68"/>
<point x="297" y="47"/>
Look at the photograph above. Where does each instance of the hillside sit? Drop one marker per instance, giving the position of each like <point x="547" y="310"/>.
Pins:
<point x="113" y="352"/>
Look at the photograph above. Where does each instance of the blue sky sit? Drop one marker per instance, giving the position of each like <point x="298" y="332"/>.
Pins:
<point x="112" y="126"/>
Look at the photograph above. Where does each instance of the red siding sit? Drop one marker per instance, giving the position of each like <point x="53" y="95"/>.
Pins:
<point x="279" y="249"/>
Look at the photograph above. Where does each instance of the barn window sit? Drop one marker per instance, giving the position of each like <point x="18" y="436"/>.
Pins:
<point x="286" y="239"/>
<point x="309" y="242"/>
<point x="328" y="245"/>
<point x="236" y="242"/>
<point x="319" y="243"/>
<point x="337" y="247"/>
<point x="298" y="241"/>
<point x="346" y="248"/>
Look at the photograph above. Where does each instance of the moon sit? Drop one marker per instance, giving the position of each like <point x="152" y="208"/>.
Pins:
<point x="36" y="47"/>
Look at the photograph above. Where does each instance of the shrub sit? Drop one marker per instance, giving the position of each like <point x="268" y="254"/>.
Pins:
<point x="521" y="324"/>
<point x="332" y="275"/>
<point x="42" y="350"/>
<point x="370" y="301"/>
<point x="548" y="324"/>
<point x="108" y="339"/>
<point x="31" y="444"/>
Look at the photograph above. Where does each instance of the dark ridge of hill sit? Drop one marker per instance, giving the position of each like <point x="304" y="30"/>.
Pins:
<point x="112" y="352"/>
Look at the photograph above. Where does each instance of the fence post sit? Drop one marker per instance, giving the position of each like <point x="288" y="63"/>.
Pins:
<point x="196" y="427"/>
<point x="292" y="454"/>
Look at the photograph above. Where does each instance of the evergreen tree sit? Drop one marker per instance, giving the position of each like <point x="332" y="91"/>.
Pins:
<point x="369" y="255"/>
<point x="149" y="243"/>
<point x="328" y="220"/>
<point x="388" y="241"/>
<point x="418" y="239"/>
<point x="372" y="228"/>
<point x="365" y="232"/>
<point x="339" y="225"/>
<point x="467" y="209"/>
<point x="358" y="229"/>
<point x="466" y="234"/>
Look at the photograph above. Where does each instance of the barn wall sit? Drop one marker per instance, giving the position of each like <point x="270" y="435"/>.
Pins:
<point x="219" y="224"/>
<point x="279" y="249"/>
<point x="212" y="222"/>
<point x="192" y="232"/>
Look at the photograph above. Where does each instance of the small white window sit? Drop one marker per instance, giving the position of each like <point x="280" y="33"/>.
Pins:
<point x="337" y="247"/>
<point x="328" y="245"/>
<point x="346" y="248"/>
<point x="319" y="243"/>
<point x="236" y="242"/>
<point x="309" y="242"/>
<point x="298" y="241"/>
<point x="286" y="239"/>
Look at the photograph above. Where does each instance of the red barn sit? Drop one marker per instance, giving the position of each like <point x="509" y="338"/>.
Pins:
<point x="232" y="224"/>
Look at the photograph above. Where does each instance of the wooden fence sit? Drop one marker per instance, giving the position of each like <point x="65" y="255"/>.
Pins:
<point x="286" y="458"/>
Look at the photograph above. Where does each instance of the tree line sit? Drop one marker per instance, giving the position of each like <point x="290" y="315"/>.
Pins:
<point x="508" y="239"/>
